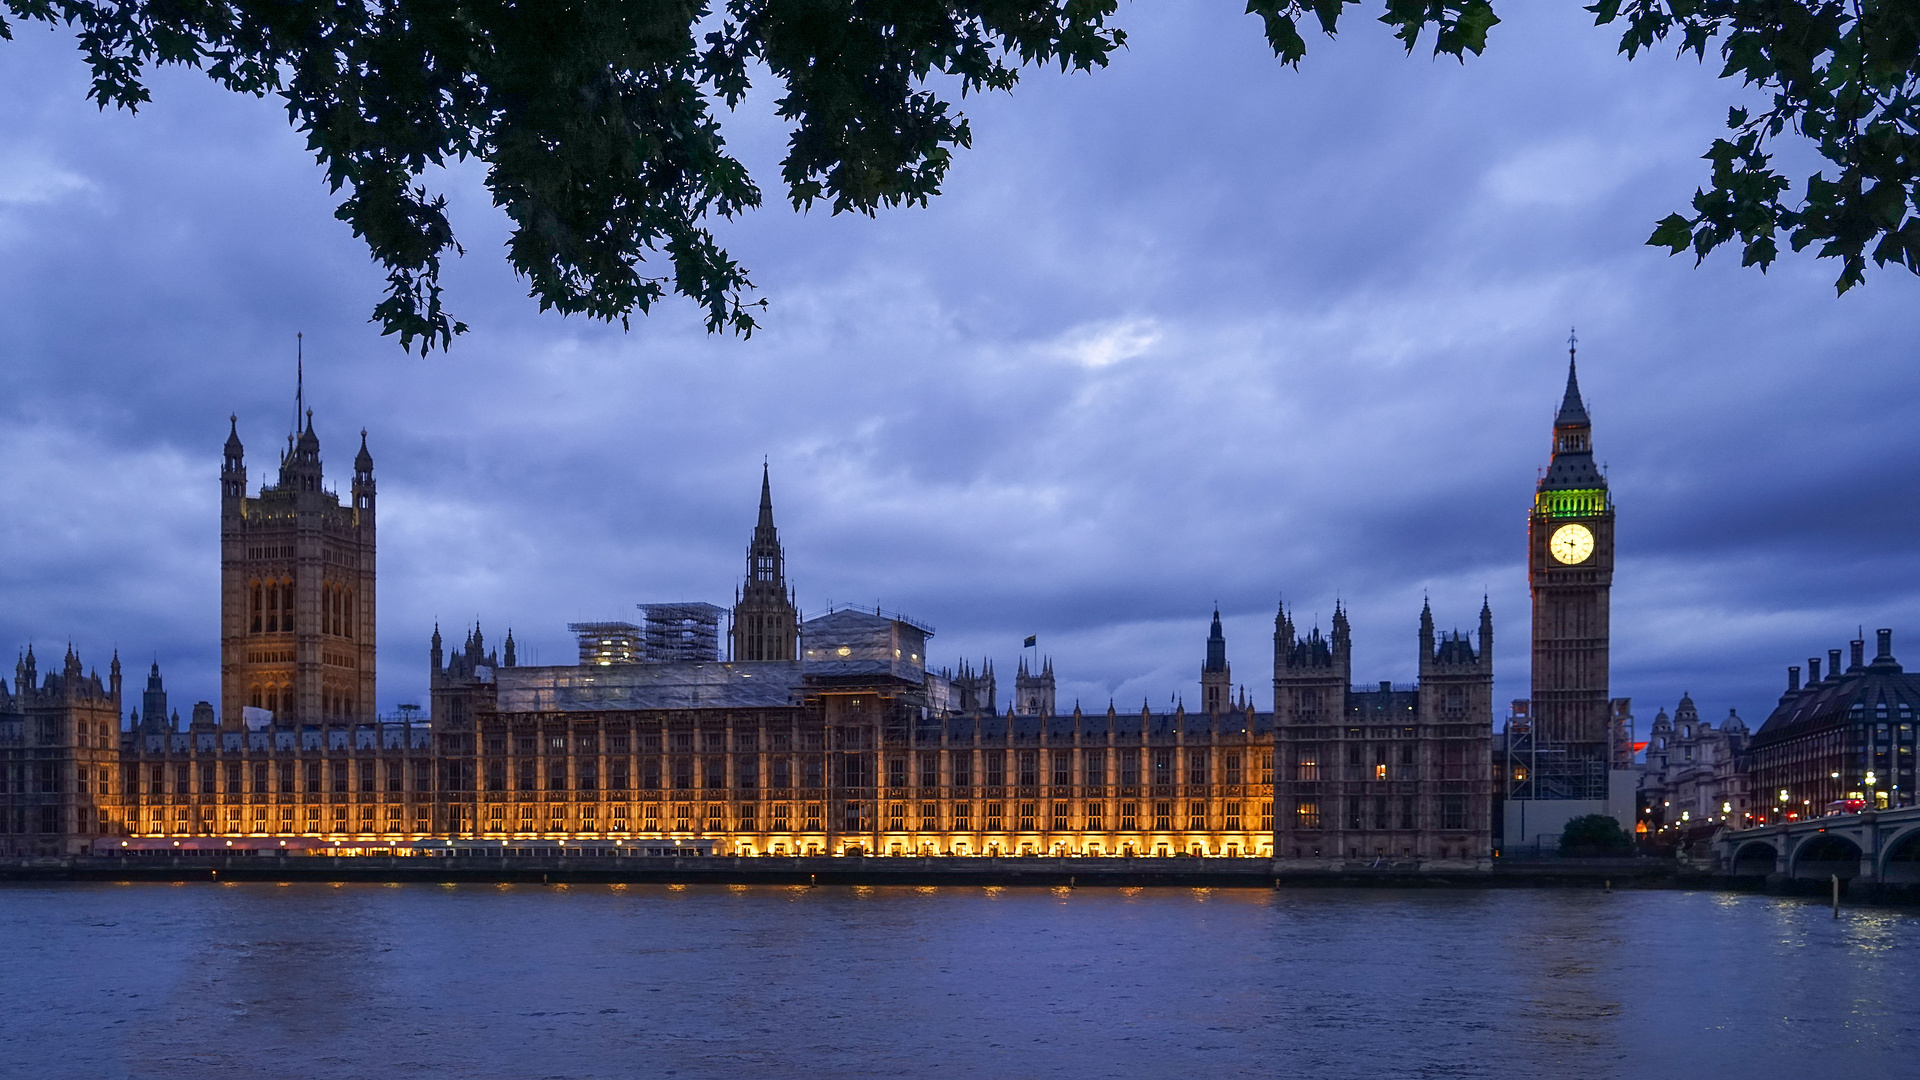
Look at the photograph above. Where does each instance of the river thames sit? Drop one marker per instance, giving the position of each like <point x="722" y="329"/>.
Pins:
<point x="243" y="980"/>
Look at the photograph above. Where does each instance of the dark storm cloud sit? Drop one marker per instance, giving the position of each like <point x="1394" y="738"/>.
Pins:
<point x="1197" y="329"/>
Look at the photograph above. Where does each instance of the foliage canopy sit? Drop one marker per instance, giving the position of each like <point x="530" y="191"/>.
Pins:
<point x="598" y="127"/>
<point x="1595" y="834"/>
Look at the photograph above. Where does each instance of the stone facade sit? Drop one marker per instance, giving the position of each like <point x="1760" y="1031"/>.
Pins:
<point x="1389" y="773"/>
<point x="297" y="612"/>
<point x="830" y="735"/>
<point x="1695" y="774"/>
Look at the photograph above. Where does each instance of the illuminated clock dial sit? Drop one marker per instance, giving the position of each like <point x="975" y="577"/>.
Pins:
<point x="1571" y="544"/>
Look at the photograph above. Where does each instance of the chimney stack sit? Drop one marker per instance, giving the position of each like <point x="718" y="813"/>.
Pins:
<point x="1793" y="679"/>
<point x="1833" y="663"/>
<point x="1813" y="670"/>
<point x="1859" y="653"/>
<point x="1885" y="645"/>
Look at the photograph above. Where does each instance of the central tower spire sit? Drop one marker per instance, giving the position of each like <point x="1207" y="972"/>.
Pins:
<point x="766" y="623"/>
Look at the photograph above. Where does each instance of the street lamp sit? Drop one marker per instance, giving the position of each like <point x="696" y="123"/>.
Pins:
<point x="1781" y="814"/>
<point x="1871" y="805"/>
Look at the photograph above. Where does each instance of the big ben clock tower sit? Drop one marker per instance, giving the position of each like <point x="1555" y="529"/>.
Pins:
<point x="1570" y="570"/>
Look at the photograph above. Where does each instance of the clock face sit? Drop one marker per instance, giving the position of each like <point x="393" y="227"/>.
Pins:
<point x="1571" y="544"/>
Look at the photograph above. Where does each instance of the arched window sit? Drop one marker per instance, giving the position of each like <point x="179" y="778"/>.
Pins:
<point x="273" y="608"/>
<point x="257" y="599"/>
<point x="254" y="698"/>
<point x="346" y="628"/>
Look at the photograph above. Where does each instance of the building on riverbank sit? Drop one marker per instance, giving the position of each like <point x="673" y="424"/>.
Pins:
<point x="828" y="735"/>
<point x="1844" y="738"/>
<point x="1695" y="774"/>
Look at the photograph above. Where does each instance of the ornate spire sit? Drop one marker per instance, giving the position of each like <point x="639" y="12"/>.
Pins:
<point x="1572" y="467"/>
<point x="1216" y="645"/>
<point x="766" y="621"/>
<point x="1573" y="411"/>
<point x="766" y="499"/>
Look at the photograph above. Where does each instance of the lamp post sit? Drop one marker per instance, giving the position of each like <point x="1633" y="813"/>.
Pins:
<point x="1871" y="805"/>
<point x="1780" y="815"/>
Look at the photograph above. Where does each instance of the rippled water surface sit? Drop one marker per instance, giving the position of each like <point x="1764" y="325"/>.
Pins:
<point x="608" y="981"/>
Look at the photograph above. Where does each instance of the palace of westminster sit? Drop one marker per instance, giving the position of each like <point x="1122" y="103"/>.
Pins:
<point x="753" y="731"/>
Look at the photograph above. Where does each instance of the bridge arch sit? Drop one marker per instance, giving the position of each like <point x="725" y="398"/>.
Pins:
<point x="1756" y="858"/>
<point x="1823" y="855"/>
<point x="1901" y="863"/>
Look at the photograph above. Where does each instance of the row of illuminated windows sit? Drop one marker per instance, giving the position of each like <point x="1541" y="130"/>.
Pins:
<point x="962" y="768"/>
<point x="1376" y="812"/>
<point x="43" y="778"/>
<point x="1382" y="761"/>
<point x="277" y="777"/>
<point x="271" y="607"/>
<point x="683" y="817"/>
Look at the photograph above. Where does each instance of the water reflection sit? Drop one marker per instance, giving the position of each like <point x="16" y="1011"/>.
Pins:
<point x="695" y="981"/>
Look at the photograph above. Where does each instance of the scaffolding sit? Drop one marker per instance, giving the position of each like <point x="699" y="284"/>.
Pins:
<point x="604" y="644"/>
<point x="1552" y="771"/>
<point x="682" y="633"/>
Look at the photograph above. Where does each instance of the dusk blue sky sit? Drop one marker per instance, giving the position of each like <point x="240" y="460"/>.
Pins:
<point x="1196" y="328"/>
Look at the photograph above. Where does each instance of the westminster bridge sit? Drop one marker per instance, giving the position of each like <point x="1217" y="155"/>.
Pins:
<point x="1874" y="847"/>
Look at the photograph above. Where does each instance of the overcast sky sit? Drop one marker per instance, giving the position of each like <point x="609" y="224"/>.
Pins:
<point x="1198" y="328"/>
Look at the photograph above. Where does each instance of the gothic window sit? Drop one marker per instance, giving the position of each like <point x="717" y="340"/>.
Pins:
<point x="962" y="769"/>
<point x="1196" y="767"/>
<point x="1029" y="766"/>
<point x="257" y="611"/>
<point x="1233" y="767"/>
<point x="1094" y="767"/>
<point x="996" y="768"/>
<point x="273" y="609"/>
<point x="346" y="615"/>
<point x="929" y="769"/>
<point x="1129" y="767"/>
<point x="1163" y="766"/>
<point x="254" y="699"/>
<point x="1062" y="769"/>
